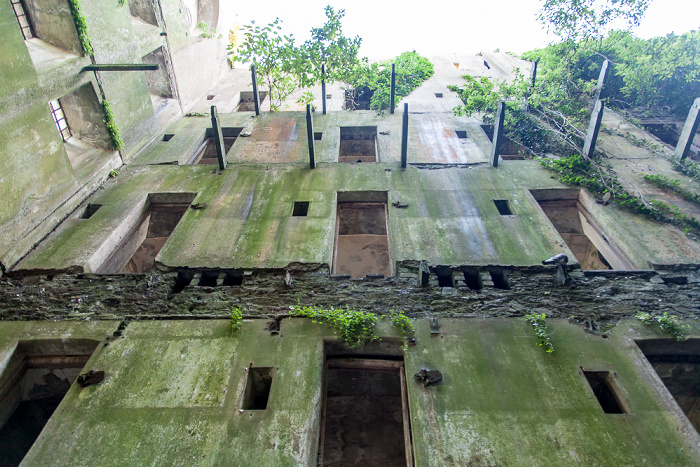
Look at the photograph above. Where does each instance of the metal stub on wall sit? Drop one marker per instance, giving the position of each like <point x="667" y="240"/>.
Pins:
<point x="90" y="378"/>
<point x="434" y="326"/>
<point x="428" y="377"/>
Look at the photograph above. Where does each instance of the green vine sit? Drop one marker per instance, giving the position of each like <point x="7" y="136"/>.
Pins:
<point x="81" y="25"/>
<point x="674" y="185"/>
<point x="668" y="323"/>
<point x="538" y="322"/>
<point x="236" y="319"/>
<point x="112" y="128"/>
<point x="687" y="167"/>
<point x="354" y="327"/>
<point x="403" y="323"/>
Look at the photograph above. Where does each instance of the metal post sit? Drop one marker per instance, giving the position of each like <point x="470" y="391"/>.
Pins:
<point x="310" y="136"/>
<point x="404" y="137"/>
<point x="593" y="128"/>
<point x="498" y="134"/>
<point x="689" y="130"/>
<point x="256" y="96"/>
<point x="218" y="138"/>
<point x="533" y="74"/>
<point x="323" y="88"/>
<point x="393" y="87"/>
<point x="602" y="77"/>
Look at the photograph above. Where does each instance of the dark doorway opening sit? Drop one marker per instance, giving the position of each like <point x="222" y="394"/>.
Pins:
<point x="358" y="144"/>
<point x="678" y="366"/>
<point x="366" y="419"/>
<point x="33" y="384"/>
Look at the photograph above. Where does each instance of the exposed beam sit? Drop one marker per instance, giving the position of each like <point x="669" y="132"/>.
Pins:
<point x="122" y="67"/>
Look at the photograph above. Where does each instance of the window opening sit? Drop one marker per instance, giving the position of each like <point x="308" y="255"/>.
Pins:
<point x="678" y="366"/>
<point x="329" y="96"/>
<point x="503" y="207"/>
<point x="37" y="377"/>
<point x="461" y="134"/>
<point x="362" y="235"/>
<point x="438" y="95"/>
<point x="59" y="119"/>
<point x="499" y="279"/>
<point x="509" y="149"/>
<point x="318" y="136"/>
<point x="257" y="388"/>
<point x="445" y="277"/>
<point x="472" y="278"/>
<point x="363" y="398"/>
<point x="358" y="144"/>
<point x="566" y="210"/>
<point x="603" y="387"/>
<point x="208" y="279"/>
<point x="301" y="209"/>
<point x="21" y="14"/>
<point x="247" y="103"/>
<point x="167" y="137"/>
<point x="158" y="81"/>
<point x="210" y="97"/>
<point x="233" y="279"/>
<point x="206" y="153"/>
<point x="90" y="209"/>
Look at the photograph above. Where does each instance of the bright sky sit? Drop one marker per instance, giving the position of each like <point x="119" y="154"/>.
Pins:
<point x="389" y="27"/>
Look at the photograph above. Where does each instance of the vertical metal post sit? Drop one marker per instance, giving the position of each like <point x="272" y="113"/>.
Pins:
<point x="593" y="129"/>
<point x="602" y="77"/>
<point x="689" y="130"/>
<point x="218" y="138"/>
<point x="404" y="137"/>
<point x="256" y="96"/>
<point x="323" y="88"/>
<point x="310" y="136"/>
<point x="393" y="87"/>
<point x="498" y="134"/>
<point x="533" y="74"/>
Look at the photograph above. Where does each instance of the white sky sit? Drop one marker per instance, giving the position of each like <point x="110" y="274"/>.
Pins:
<point x="389" y="27"/>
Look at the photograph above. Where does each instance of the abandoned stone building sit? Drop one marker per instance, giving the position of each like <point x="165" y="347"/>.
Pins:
<point x="130" y="262"/>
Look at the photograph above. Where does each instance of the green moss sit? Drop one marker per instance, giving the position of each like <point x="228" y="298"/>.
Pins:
<point x="81" y="26"/>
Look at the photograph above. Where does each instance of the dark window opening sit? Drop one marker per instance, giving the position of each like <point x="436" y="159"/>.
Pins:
<point x="257" y="388"/>
<point x="21" y="14"/>
<point x="301" y="208"/>
<point x="206" y="152"/>
<point x="366" y="413"/>
<point x="499" y="279"/>
<point x="318" y="136"/>
<point x="211" y="97"/>
<point x="358" y="144"/>
<point x="168" y="136"/>
<point x="208" y="279"/>
<point x="362" y="238"/>
<point x="438" y="95"/>
<point x="602" y="384"/>
<point x="182" y="280"/>
<point x="472" y="278"/>
<point x="666" y="132"/>
<point x="59" y="119"/>
<point x="232" y="279"/>
<point x="678" y="366"/>
<point x="445" y="277"/>
<point x="90" y="209"/>
<point x="461" y="134"/>
<point x="329" y="96"/>
<point x="503" y="207"/>
<point x="508" y="147"/>
<point x="36" y="378"/>
<point x="247" y="103"/>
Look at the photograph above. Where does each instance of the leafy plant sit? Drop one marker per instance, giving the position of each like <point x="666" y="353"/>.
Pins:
<point x="207" y="32"/>
<point x="538" y="322"/>
<point x="354" y="327"/>
<point x="113" y="173"/>
<point x="112" y="127"/>
<point x="307" y="98"/>
<point x="674" y="185"/>
<point x="403" y="323"/>
<point x="668" y="323"/>
<point x="81" y="25"/>
<point x="236" y="319"/>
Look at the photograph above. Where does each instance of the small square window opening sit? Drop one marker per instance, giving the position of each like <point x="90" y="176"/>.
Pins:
<point x="168" y="136"/>
<point x="503" y="207"/>
<point x="90" y="209"/>
<point x="318" y="136"/>
<point x="301" y="209"/>
<point x="210" y="97"/>
<point x="461" y="134"/>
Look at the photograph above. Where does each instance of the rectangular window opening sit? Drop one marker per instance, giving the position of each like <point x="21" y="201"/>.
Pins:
<point x="59" y="119"/>
<point x="472" y="278"/>
<point x="445" y="277"/>
<point x="362" y="235"/>
<point x="208" y="279"/>
<point x="21" y="14"/>
<point x="90" y="209"/>
<point x="677" y="363"/>
<point x="257" y="388"/>
<point x="168" y="136"/>
<point x="568" y="211"/>
<point x="318" y="136"/>
<point x="438" y="95"/>
<point x="206" y="152"/>
<point x="211" y="97"/>
<point x="329" y="96"/>
<point x="503" y="207"/>
<point x="247" y="103"/>
<point x="365" y="410"/>
<point x="233" y="279"/>
<point x="36" y="378"/>
<point x="461" y="134"/>
<point x="604" y="389"/>
<point x="301" y="209"/>
<point x="499" y="277"/>
<point x="358" y="144"/>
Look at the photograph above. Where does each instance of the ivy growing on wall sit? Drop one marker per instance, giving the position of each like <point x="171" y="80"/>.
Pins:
<point x="81" y="25"/>
<point x="112" y="128"/>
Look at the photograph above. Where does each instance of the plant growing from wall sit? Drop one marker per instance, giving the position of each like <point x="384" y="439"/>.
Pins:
<point x="668" y="323"/>
<point x="112" y="128"/>
<point x="403" y="323"/>
<point x="81" y="26"/>
<point x="353" y="327"/>
<point x="207" y="32"/>
<point x="674" y="185"/>
<point x="236" y="319"/>
<point x="538" y="322"/>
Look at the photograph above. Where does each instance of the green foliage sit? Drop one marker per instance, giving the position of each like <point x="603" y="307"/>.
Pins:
<point x="584" y="19"/>
<point x="306" y="99"/>
<point x="370" y="86"/>
<point x="674" y="185"/>
<point x="112" y="128"/>
<point x="285" y="67"/>
<point x="113" y="173"/>
<point x="403" y="323"/>
<point x="668" y="323"/>
<point x="81" y="25"/>
<point x="538" y="322"/>
<point x="354" y="327"/>
<point x="236" y="319"/>
<point x="687" y="167"/>
<point x="207" y="32"/>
